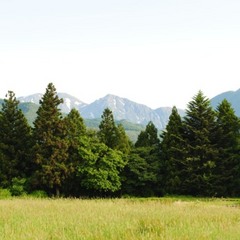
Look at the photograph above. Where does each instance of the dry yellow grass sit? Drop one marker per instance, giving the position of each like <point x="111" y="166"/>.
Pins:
<point x="118" y="219"/>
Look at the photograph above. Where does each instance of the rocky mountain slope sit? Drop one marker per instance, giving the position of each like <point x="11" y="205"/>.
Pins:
<point x="123" y="108"/>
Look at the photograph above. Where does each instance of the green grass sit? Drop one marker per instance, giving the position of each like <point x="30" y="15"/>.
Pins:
<point x="163" y="218"/>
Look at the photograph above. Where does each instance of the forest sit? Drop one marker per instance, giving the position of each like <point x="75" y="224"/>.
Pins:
<point x="196" y="155"/>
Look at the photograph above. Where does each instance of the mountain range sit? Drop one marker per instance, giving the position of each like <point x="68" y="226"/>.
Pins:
<point x="132" y="115"/>
<point x="122" y="108"/>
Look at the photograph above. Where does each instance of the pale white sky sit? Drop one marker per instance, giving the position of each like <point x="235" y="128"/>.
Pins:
<point x="155" y="52"/>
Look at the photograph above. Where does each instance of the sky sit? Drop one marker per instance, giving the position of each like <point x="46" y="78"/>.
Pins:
<point x="155" y="52"/>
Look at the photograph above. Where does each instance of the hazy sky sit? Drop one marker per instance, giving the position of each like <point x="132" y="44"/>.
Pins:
<point x="155" y="52"/>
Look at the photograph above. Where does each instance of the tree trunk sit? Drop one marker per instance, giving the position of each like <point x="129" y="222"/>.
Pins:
<point x="57" y="192"/>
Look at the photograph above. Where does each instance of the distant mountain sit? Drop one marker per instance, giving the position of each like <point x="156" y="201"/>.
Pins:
<point x="34" y="98"/>
<point x="123" y="108"/>
<point x="231" y="96"/>
<point x="30" y="111"/>
<point x="134" y="116"/>
<point x="165" y="112"/>
<point x="70" y="102"/>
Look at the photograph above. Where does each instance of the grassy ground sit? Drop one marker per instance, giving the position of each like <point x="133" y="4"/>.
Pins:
<point x="164" y="218"/>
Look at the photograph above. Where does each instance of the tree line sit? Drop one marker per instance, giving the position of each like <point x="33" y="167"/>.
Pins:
<point x="197" y="155"/>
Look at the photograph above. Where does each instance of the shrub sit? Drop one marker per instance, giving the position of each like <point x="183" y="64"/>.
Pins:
<point x="39" y="194"/>
<point x="18" y="187"/>
<point x="4" y="193"/>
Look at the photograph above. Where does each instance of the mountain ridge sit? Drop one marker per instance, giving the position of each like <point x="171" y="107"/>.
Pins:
<point x="123" y="109"/>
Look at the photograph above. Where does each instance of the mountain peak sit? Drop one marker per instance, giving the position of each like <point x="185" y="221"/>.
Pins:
<point x="69" y="103"/>
<point x="125" y="109"/>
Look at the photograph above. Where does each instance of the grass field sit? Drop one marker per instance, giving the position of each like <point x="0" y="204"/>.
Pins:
<point x="163" y="218"/>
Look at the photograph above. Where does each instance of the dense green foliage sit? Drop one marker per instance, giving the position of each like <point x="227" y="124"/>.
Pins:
<point x="15" y="142"/>
<point x="195" y="155"/>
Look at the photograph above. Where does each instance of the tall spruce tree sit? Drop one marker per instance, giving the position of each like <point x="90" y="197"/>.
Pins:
<point x="51" y="147"/>
<point x="199" y="127"/>
<point x="148" y="137"/>
<point x="76" y="134"/>
<point x="227" y="139"/>
<point x="108" y="133"/>
<point x="173" y="154"/>
<point x="15" y="141"/>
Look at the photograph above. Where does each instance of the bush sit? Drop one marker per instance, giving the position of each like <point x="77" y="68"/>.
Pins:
<point x="5" y="193"/>
<point x="39" y="194"/>
<point x="18" y="187"/>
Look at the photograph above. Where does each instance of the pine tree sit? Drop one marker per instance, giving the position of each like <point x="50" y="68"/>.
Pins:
<point x="15" y="141"/>
<point x="227" y="139"/>
<point x="76" y="134"/>
<point x="51" y="147"/>
<point x="173" y="154"/>
<point x="199" y="127"/>
<point x="148" y="137"/>
<point x="107" y="129"/>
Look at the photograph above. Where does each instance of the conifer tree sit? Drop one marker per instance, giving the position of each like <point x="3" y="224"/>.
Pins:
<point x="142" y="169"/>
<point x="173" y="154"/>
<point x="15" y="141"/>
<point x="51" y="147"/>
<point x="123" y="142"/>
<point x="148" y="137"/>
<point x="199" y="127"/>
<point x="108" y="133"/>
<point x="227" y="139"/>
<point x="76" y="134"/>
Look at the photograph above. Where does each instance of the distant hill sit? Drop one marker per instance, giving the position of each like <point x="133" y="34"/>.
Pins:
<point x="132" y="129"/>
<point x="231" y="96"/>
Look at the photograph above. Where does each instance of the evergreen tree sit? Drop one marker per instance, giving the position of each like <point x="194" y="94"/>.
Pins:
<point x="144" y="164"/>
<point x="15" y="140"/>
<point x="76" y="134"/>
<point x="227" y="139"/>
<point x="123" y="142"/>
<point x="199" y="127"/>
<point x="51" y="147"/>
<point x="148" y="137"/>
<point x="173" y="153"/>
<point x="140" y="176"/>
<point x="108" y="133"/>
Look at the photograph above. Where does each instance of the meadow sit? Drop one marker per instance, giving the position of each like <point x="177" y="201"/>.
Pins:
<point x="156" y="218"/>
